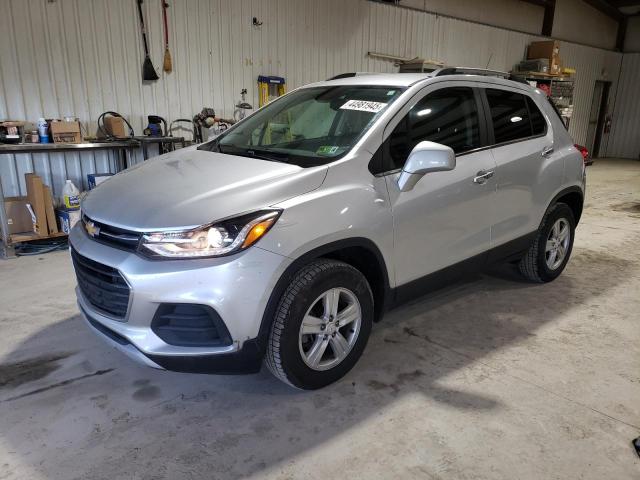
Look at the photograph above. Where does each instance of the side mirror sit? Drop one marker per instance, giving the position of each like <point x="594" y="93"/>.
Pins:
<point x="426" y="157"/>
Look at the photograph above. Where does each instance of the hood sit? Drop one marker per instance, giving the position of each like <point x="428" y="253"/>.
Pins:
<point x="189" y="187"/>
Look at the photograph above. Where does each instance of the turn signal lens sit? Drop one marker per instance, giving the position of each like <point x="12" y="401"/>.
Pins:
<point x="257" y="231"/>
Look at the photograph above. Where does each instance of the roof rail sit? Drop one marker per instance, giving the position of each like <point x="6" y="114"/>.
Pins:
<point x="477" y="71"/>
<point x="469" y="71"/>
<point x="348" y="75"/>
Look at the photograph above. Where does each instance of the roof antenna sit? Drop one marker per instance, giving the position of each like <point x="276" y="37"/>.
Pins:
<point x="488" y="62"/>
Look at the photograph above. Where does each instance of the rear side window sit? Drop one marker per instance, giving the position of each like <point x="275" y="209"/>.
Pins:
<point x="555" y="109"/>
<point x="509" y="114"/>
<point x="538" y="123"/>
<point x="448" y="116"/>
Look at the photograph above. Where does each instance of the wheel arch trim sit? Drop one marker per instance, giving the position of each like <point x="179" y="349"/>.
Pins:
<point x="318" y="252"/>
<point x="566" y="191"/>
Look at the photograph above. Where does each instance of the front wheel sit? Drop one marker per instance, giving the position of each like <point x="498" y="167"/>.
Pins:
<point x="322" y="325"/>
<point x="548" y="255"/>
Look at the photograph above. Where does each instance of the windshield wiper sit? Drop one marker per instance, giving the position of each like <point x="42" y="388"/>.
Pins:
<point x="212" y="146"/>
<point x="255" y="153"/>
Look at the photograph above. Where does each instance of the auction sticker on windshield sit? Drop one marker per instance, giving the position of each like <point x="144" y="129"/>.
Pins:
<point x="363" y="105"/>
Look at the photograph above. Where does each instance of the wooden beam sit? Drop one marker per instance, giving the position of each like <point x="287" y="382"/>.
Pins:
<point x="606" y="8"/>
<point x="539" y="3"/>
<point x="549" y="12"/>
<point x="547" y="20"/>
<point x="624" y="3"/>
<point x="622" y="33"/>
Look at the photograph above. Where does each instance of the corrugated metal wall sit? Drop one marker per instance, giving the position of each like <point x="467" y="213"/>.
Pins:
<point x="625" y="127"/>
<point x="592" y="64"/>
<point x="82" y="57"/>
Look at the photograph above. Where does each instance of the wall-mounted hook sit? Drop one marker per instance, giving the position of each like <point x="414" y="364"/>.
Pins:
<point x="256" y="23"/>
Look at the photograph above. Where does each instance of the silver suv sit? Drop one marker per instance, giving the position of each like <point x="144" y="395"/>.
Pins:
<point x="285" y="238"/>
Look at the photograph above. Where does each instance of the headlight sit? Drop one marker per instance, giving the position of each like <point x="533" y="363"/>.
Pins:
<point x="214" y="240"/>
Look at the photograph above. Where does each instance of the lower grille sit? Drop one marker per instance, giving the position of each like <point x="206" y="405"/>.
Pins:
<point x="190" y="325"/>
<point x="102" y="286"/>
<point x="107" y="332"/>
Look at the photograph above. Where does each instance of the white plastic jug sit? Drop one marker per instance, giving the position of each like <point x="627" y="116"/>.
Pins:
<point x="71" y="196"/>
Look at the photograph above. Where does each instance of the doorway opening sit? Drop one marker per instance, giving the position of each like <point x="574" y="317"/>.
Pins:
<point x="597" y="117"/>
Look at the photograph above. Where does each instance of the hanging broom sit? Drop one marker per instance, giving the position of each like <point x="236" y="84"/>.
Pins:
<point x="166" y="65"/>
<point x="148" y="71"/>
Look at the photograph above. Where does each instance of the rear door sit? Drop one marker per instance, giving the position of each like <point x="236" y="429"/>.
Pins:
<point x="446" y="217"/>
<point x="527" y="165"/>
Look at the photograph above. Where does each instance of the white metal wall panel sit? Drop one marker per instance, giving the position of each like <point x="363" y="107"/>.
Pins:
<point x="82" y="57"/>
<point x="624" y="140"/>
<point x="592" y="64"/>
<point x="480" y="46"/>
<point x="579" y="21"/>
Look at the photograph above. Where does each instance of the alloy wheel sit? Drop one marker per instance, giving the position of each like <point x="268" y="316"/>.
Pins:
<point x="558" y="242"/>
<point x="330" y="329"/>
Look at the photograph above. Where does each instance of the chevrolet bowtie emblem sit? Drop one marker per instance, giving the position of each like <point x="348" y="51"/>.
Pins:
<point x="92" y="229"/>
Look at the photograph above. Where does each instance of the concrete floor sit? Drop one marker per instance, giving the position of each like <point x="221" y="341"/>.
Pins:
<point x="493" y="378"/>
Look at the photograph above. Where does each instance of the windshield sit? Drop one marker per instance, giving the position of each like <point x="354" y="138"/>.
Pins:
<point x="308" y="127"/>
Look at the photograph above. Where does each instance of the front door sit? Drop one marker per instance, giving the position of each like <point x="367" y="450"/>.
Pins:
<point x="446" y="217"/>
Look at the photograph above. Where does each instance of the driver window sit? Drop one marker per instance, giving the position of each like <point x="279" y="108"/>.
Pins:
<point x="448" y="116"/>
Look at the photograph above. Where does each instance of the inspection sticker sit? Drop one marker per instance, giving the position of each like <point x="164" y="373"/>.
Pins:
<point x="327" y="150"/>
<point x="363" y="105"/>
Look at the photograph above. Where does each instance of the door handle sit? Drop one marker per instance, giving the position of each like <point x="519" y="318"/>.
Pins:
<point x="482" y="176"/>
<point x="546" y="151"/>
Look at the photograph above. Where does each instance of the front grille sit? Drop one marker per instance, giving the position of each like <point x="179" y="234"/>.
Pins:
<point x="102" y="286"/>
<point x="110" y="235"/>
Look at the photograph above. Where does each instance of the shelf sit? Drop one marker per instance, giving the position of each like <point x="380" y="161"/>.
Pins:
<point x="543" y="76"/>
<point x="65" y="147"/>
<point x="31" y="236"/>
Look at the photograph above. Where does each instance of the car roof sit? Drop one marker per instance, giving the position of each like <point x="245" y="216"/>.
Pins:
<point x="381" y="79"/>
<point x="408" y="79"/>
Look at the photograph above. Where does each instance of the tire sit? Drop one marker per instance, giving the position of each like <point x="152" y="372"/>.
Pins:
<point x="312" y="292"/>
<point x="538" y="265"/>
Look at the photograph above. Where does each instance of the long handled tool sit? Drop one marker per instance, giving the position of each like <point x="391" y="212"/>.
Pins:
<point x="148" y="71"/>
<point x="166" y="65"/>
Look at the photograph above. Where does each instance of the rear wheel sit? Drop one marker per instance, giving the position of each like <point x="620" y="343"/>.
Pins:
<point x="322" y="325"/>
<point x="548" y="255"/>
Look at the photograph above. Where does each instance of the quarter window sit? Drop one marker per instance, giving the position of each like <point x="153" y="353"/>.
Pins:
<point x="538" y="123"/>
<point x="448" y="116"/>
<point x="509" y="114"/>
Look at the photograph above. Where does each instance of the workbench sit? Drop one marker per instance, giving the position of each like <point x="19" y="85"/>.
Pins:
<point x="166" y="143"/>
<point x="120" y="146"/>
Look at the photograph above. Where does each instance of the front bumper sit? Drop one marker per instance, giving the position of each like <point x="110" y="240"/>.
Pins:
<point x="247" y="359"/>
<point x="236" y="287"/>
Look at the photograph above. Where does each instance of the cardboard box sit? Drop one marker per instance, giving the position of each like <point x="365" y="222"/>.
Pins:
<point x="116" y="127"/>
<point x="66" y="132"/>
<point x="18" y="216"/>
<point x="52" y="223"/>
<point x="549" y="50"/>
<point x="35" y="197"/>
<point x="95" y="179"/>
<point x="67" y="219"/>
